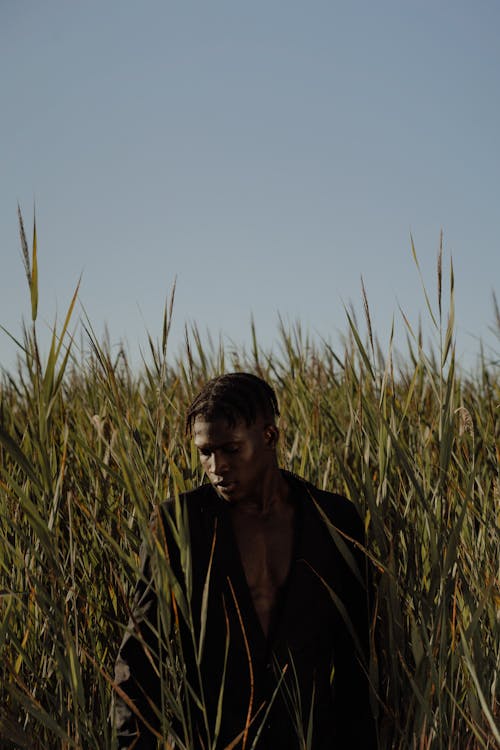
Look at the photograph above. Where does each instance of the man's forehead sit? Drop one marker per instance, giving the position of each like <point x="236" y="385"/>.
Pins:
<point x="221" y="430"/>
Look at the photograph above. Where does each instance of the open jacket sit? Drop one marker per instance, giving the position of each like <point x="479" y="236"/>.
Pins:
<point x="306" y="680"/>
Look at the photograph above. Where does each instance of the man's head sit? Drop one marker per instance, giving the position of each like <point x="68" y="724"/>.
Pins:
<point x="235" y="396"/>
<point x="233" y="423"/>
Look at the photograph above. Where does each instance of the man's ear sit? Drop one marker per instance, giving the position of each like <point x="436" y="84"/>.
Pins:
<point x="271" y="435"/>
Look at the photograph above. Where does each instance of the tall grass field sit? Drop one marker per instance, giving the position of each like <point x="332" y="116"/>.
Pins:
<point x="89" y="447"/>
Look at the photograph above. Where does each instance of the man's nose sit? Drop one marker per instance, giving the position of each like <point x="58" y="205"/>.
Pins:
<point x="218" y="463"/>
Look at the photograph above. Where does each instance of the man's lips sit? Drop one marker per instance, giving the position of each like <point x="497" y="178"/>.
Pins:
<point x="225" y="485"/>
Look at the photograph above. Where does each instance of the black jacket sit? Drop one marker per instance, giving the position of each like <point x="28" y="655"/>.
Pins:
<point x="307" y="672"/>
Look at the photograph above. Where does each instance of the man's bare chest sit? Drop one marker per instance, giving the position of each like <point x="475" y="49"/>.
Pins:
<point x="266" y="550"/>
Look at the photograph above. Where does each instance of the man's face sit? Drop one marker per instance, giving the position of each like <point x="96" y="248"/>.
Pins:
<point x="236" y="459"/>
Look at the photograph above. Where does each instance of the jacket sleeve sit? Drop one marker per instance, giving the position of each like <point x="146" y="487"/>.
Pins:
<point x="352" y="696"/>
<point x="135" y="710"/>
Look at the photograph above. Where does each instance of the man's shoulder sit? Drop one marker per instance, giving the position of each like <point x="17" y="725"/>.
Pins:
<point x="339" y="511"/>
<point x="196" y="499"/>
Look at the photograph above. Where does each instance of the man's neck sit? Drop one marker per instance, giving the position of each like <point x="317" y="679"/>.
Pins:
<point x="273" y="498"/>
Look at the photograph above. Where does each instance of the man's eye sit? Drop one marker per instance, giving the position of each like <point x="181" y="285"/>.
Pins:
<point x="232" y="449"/>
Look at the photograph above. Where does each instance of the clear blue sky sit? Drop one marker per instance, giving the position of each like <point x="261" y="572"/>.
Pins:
<point x="264" y="153"/>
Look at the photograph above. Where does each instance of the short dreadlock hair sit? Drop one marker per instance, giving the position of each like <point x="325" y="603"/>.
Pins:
<point x="234" y="396"/>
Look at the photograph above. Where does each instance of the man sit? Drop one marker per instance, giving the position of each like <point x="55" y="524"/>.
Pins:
<point x="259" y="638"/>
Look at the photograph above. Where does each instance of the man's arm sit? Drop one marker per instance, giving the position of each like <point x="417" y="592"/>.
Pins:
<point x="137" y="706"/>
<point x="136" y="673"/>
<point x="357" y="728"/>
